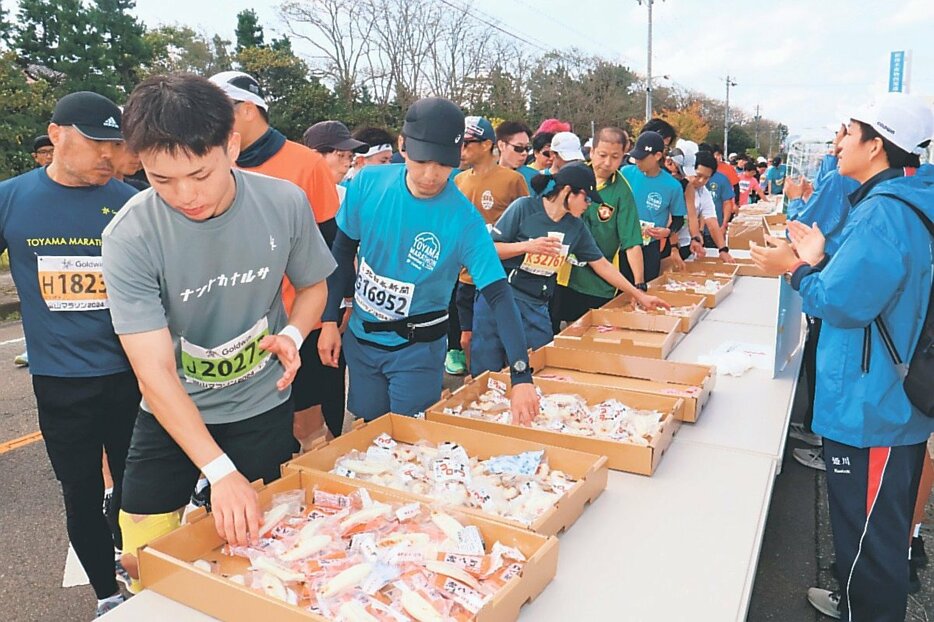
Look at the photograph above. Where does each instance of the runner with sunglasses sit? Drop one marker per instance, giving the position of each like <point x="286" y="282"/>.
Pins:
<point x="542" y="155"/>
<point x="534" y="238"/>
<point x="513" y="139"/>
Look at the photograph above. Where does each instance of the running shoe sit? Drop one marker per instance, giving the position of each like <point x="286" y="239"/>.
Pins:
<point x="825" y="601"/>
<point x="798" y="431"/>
<point x="811" y="458"/>
<point x="121" y="574"/>
<point x="110" y="604"/>
<point x="455" y="363"/>
<point x="21" y="360"/>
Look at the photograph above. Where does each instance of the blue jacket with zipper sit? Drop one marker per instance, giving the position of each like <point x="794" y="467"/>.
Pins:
<point x="883" y="266"/>
<point x="828" y="205"/>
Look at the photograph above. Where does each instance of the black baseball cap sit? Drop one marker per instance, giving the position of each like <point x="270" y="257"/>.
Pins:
<point x="433" y="131"/>
<point x="579" y="177"/>
<point x="333" y="135"/>
<point x="647" y="144"/>
<point x="40" y="142"/>
<point x="93" y="115"/>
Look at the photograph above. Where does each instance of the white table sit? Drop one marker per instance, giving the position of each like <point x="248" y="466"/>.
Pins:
<point x="683" y="544"/>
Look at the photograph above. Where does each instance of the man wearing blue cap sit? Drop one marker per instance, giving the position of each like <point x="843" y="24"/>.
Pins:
<point x="491" y="188"/>
<point x="409" y="231"/>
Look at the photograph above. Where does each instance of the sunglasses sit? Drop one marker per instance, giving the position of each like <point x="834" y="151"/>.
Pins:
<point x="520" y="148"/>
<point x="546" y="153"/>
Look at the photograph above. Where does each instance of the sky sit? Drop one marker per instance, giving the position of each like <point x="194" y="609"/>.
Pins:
<point x="804" y="62"/>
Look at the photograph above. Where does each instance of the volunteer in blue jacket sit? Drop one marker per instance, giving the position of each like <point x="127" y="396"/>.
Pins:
<point x="659" y="198"/>
<point x="874" y="438"/>
<point x="827" y="206"/>
<point x="410" y="231"/>
<point x="534" y="238"/>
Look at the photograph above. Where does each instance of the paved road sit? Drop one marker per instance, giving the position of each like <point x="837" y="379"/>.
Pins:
<point x="796" y="551"/>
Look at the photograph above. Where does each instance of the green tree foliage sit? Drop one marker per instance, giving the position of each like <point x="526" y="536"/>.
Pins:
<point x="249" y="31"/>
<point x="27" y="108"/>
<point x="181" y="49"/>
<point x="97" y="47"/>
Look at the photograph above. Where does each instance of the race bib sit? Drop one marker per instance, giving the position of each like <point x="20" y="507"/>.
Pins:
<point x="72" y="283"/>
<point x="384" y="298"/>
<point x="644" y="225"/>
<point x="228" y="363"/>
<point x="543" y="265"/>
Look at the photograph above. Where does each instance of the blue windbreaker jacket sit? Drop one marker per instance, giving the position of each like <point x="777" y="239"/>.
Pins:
<point x="883" y="266"/>
<point x="829" y="205"/>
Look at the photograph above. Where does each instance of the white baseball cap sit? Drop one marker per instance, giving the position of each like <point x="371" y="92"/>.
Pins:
<point x="568" y="146"/>
<point x="689" y="150"/>
<point x="240" y="87"/>
<point x="904" y="120"/>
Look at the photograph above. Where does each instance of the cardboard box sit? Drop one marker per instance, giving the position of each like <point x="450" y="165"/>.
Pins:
<point x="776" y="224"/>
<point x="718" y="269"/>
<point x="165" y="564"/>
<point x="624" y="303"/>
<point x="740" y="233"/>
<point x="745" y="266"/>
<point x="652" y="336"/>
<point x="712" y="300"/>
<point x="641" y="459"/>
<point x="693" y="383"/>
<point x="590" y="471"/>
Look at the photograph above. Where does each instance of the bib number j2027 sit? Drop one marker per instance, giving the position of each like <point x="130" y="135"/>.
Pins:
<point x="228" y="363"/>
<point x="384" y="298"/>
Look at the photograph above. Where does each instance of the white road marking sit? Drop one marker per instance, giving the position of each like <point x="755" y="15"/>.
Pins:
<point x="9" y="341"/>
<point x="74" y="571"/>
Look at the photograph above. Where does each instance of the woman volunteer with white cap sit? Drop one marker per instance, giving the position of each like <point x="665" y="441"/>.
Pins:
<point x="871" y="295"/>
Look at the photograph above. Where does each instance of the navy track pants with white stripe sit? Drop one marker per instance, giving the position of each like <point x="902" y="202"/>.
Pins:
<point x="872" y="495"/>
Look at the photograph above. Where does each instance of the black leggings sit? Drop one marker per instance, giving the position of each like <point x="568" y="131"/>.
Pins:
<point x="89" y="531"/>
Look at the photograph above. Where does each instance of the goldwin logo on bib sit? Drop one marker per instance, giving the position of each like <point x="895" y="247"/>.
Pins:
<point x="425" y="251"/>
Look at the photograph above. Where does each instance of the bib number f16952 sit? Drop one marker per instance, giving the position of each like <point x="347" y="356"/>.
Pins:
<point x="384" y="298"/>
<point x="228" y="363"/>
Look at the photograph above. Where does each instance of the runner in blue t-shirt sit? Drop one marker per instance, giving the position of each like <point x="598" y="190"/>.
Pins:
<point x="775" y="176"/>
<point x="51" y="221"/>
<point x="410" y="230"/>
<point x="659" y="198"/>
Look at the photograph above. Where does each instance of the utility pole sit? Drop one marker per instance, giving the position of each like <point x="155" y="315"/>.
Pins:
<point x="757" y="127"/>
<point x="648" y="65"/>
<point x="726" y="118"/>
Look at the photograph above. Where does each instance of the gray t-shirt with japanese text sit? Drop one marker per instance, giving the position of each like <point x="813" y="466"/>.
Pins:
<point x="217" y="286"/>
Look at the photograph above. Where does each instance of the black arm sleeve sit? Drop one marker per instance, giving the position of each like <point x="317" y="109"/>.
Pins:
<point x="341" y="280"/>
<point x="676" y="223"/>
<point x="498" y="295"/>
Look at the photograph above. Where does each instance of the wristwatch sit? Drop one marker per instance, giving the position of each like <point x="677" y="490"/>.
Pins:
<point x="725" y="249"/>
<point x="642" y="286"/>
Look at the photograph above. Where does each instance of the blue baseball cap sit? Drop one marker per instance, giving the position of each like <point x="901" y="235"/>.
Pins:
<point x="478" y="129"/>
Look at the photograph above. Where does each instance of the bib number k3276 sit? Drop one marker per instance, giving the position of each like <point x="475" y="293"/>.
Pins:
<point x="228" y="363"/>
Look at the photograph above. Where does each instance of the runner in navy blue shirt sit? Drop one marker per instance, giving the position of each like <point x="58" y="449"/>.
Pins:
<point x="51" y="221"/>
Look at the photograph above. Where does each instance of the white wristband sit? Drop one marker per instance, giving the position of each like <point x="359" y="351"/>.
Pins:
<point x="294" y="334"/>
<point x="218" y="468"/>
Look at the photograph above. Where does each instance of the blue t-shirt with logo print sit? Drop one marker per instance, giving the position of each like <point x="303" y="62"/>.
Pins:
<point x="53" y="235"/>
<point x="657" y="197"/>
<point x="721" y="191"/>
<point x="411" y="250"/>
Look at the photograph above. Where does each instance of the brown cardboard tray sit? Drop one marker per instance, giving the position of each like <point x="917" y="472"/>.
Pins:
<point x="624" y="303"/>
<point x="165" y="564"/>
<point x="741" y="234"/>
<point x="590" y="471"/>
<point x="641" y="459"/>
<point x="726" y="286"/>
<point x="691" y="266"/>
<point x="693" y="383"/>
<point x="637" y="334"/>
<point x="746" y="267"/>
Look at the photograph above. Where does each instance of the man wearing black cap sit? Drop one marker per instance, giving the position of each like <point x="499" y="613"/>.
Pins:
<point x="318" y="391"/>
<point x="43" y="150"/>
<point x="410" y="231"/>
<point x="333" y="141"/>
<point x="51" y="221"/>
<point x="659" y="198"/>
